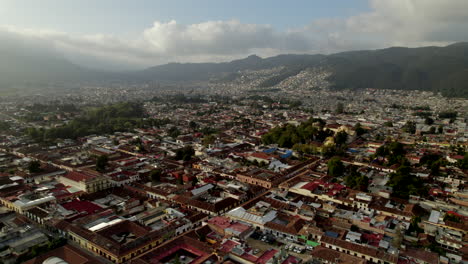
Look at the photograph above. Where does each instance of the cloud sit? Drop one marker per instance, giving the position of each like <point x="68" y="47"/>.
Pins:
<point x="214" y="37"/>
<point x="413" y="22"/>
<point x="389" y="23"/>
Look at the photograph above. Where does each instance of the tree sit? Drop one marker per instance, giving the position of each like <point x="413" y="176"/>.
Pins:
<point x="452" y="217"/>
<point x="355" y="180"/>
<point x="101" y="163"/>
<point x="463" y="163"/>
<point x="382" y="151"/>
<point x="379" y="137"/>
<point x="409" y="127"/>
<point x="176" y="260"/>
<point x="138" y="144"/>
<point x="335" y="167"/>
<point x="440" y="129"/>
<point x="185" y="153"/>
<point x="404" y="184"/>
<point x="208" y="140"/>
<point x="180" y="180"/>
<point x="414" y="225"/>
<point x="155" y="175"/>
<point x="429" y="121"/>
<point x="173" y="132"/>
<point x="394" y="152"/>
<point x="201" y="236"/>
<point x="448" y="114"/>
<point x="208" y="130"/>
<point x="362" y="183"/>
<point x="305" y="148"/>
<point x="34" y="166"/>
<point x="431" y="159"/>
<point x="4" y="126"/>
<point x="396" y="148"/>
<point x="388" y="124"/>
<point x="339" y="108"/>
<point x="101" y="120"/>
<point x="41" y="249"/>
<point x="285" y="140"/>
<point x="194" y="181"/>
<point x="193" y="125"/>
<point x="341" y="138"/>
<point x="56" y="242"/>
<point x="289" y="135"/>
<point x="359" y="129"/>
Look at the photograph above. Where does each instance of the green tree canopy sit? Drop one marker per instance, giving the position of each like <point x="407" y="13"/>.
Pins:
<point x="100" y="120"/>
<point x="359" y="129"/>
<point x="155" y="175"/>
<point x="335" y="167"/>
<point x="341" y="138"/>
<point x="355" y="180"/>
<point x="289" y="135"/>
<point x="404" y="184"/>
<point x="34" y="166"/>
<point x="173" y="132"/>
<point x="339" y="108"/>
<point x="463" y="164"/>
<point x="208" y="140"/>
<point x="101" y="163"/>
<point x="185" y="153"/>
<point x="409" y="127"/>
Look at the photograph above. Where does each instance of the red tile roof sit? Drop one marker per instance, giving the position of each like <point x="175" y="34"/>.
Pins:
<point x="265" y="257"/>
<point x="228" y="246"/>
<point x="261" y="155"/>
<point x="68" y="253"/>
<point x="426" y="256"/>
<point x="78" y="176"/>
<point x="291" y="260"/>
<point x="82" y="206"/>
<point x="221" y="222"/>
<point x="239" y="227"/>
<point x="361" y="249"/>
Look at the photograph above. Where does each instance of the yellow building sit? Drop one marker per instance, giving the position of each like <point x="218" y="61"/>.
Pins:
<point x="84" y="181"/>
<point x="108" y="243"/>
<point x="26" y="201"/>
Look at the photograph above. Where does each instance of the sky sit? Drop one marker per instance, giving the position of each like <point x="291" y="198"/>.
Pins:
<point x="121" y="34"/>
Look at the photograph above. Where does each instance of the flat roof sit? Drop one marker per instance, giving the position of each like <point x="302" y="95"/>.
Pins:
<point x="434" y="217"/>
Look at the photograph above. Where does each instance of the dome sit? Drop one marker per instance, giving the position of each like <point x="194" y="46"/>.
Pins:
<point x="54" y="260"/>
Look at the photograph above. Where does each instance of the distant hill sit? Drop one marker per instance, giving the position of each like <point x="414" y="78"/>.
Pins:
<point x="439" y="69"/>
<point x="22" y="63"/>
<point x="35" y="62"/>
<point x="204" y="71"/>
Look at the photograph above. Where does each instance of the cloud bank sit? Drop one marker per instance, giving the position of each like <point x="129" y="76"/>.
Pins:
<point x="389" y="23"/>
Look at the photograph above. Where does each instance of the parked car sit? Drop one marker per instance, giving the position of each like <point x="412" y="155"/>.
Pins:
<point x="256" y="235"/>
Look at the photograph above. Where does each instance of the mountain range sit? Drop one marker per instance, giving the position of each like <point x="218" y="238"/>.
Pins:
<point x="438" y="69"/>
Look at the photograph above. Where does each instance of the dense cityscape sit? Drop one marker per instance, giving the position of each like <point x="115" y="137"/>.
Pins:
<point x="233" y="132"/>
<point x="251" y="177"/>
